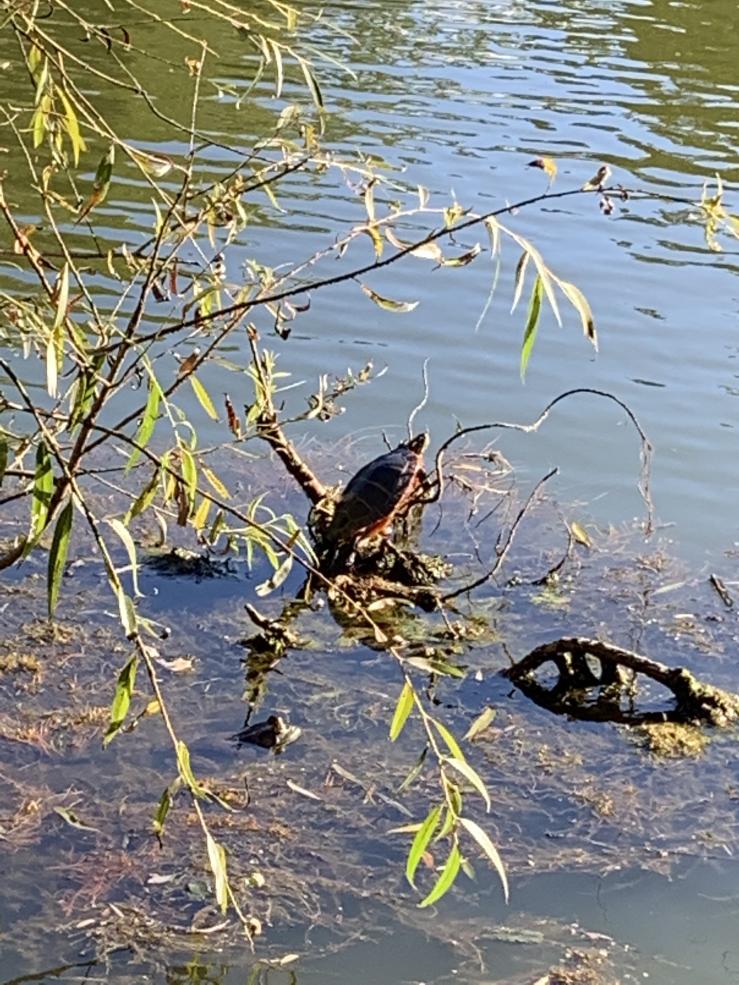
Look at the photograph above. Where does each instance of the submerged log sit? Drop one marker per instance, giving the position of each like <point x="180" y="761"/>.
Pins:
<point x="598" y="681"/>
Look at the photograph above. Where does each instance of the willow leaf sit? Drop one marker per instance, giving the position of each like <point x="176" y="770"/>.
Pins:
<point x="161" y="812"/>
<point x="388" y="303"/>
<point x="127" y="613"/>
<point x="148" y="421"/>
<point x="446" y="879"/>
<point x="312" y="83"/>
<point x="489" y="849"/>
<point x="203" y="397"/>
<point x="58" y="556"/>
<point x="449" y="740"/>
<point x="472" y="777"/>
<point x="72" y="126"/>
<point x="61" y="295"/>
<point x="414" y="771"/>
<point x="580" y="303"/>
<point x="485" y="718"/>
<point x="420" y="843"/>
<point x="403" y="709"/>
<point x="425" y="251"/>
<point x="521" y="266"/>
<point x="43" y="486"/>
<point x="217" y="859"/>
<point x="121" y="698"/>
<point x="215" y="483"/>
<point x="200" y="517"/>
<point x="276" y="579"/>
<point x="128" y="543"/>
<point x="548" y="279"/>
<point x="532" y="324"/>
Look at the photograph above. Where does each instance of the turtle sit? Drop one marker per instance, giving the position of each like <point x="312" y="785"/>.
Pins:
<point x="378" y="493"/>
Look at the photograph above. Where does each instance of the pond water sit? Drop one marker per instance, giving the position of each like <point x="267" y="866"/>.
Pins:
<point x="459" y="96"/>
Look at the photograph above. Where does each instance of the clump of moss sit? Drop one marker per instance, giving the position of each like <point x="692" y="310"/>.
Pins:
<point x="674" y="740"/>
<point x="15" y="662"/>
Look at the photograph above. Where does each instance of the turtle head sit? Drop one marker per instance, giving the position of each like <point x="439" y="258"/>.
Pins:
<point x="419" y="443"/>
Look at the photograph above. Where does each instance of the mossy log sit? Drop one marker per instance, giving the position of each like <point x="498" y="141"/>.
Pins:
<point x="585" y="666"/>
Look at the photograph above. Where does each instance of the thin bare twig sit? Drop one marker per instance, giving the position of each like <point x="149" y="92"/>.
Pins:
<point x="506" y="544"/>
<point x="646" y="449"/>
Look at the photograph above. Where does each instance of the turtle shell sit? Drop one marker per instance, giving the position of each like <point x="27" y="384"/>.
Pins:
<point x="378" y="492"/>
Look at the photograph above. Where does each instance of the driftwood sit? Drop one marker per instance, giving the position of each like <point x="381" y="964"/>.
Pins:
<point x="598" y="681"/>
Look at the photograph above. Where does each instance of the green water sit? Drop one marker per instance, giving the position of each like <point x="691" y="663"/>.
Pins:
<point x="459" y="97"/>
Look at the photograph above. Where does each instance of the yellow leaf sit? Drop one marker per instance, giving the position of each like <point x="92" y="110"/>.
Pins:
<point x="203" y="397"/>
<point x="403" y="709"/>
<point x="72" y="126"/>
<point x="580" y="534"/>
<point x="426" y="251"/>
<point x="215" y="482"/>
<point x="578" y="300"/>
<point x="201" y="514"/>
<point x="388" y="303"/>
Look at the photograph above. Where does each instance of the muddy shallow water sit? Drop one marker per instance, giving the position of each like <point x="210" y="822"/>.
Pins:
<point x="593" y="826"/>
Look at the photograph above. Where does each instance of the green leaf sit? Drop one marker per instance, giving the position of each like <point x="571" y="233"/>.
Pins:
<point x="446" y="879"/>
<point x="532" y="323"/>
<point x="403" y="709"/>
<point x="388" y="303"/>
<point x="185" y="771"/>
<point x="144" y="499"/>
<point x="451" y="743"/>
<point x="122" y="698"/>
<point x="489" y="849"/>
<point x="100" y="186"/>
<point x="43" y="486"/>
<point x="377" y="240"/>
<point x="84" y="391"/>
<point x="203" y="397"/>
<point x="420" y="843"/>
<point x="161" y="812"/>
<point x="547" y="277"/>
<point x="217" y="859"/>
<point x="450" y="816"/>
<point x="472" y="777"/>
<point x="148" y="421"/>
<point x="414" y="771"/>
<point x="58" y="556"/>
